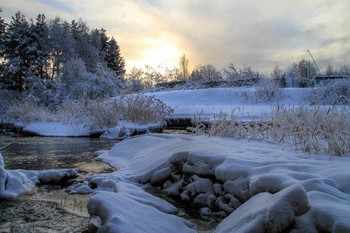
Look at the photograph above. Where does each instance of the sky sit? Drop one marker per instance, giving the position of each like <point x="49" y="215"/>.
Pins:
<point x="257" y="33"/>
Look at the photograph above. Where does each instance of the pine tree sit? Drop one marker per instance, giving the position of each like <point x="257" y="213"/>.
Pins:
<point x="16" y="45"/>
<point x="61" y="46"/>
<point x="114" y="59"/>
<point x="2" y="36"/>
<point x="39" y="51"/>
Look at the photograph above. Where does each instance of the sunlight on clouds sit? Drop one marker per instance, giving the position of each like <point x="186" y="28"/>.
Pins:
<point x="257" y="33"/>
<point x="155" y="53"/>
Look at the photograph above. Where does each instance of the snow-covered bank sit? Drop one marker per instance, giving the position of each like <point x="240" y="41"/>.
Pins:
<point x="123" y="130"/>
<point x="16" y="182"/>
<point x="241" y="100"/>
<point x="260" y="187"/>
<point x="202" y="103"/>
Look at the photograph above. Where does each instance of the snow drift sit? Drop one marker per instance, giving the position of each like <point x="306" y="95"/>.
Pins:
<point x="258" y="187"/>
<point x="16" y="182"/>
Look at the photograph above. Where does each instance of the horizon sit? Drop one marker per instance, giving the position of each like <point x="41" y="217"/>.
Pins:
<point x="258" y="34"/>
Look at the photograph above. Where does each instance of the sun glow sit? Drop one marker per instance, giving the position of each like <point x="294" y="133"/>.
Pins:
<point x="156" y="53"/>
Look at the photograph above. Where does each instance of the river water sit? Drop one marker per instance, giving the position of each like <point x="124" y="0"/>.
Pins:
<point x="49" y="208"/>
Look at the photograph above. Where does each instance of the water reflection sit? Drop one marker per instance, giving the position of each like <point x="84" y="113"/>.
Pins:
<point x="38" y="153"/>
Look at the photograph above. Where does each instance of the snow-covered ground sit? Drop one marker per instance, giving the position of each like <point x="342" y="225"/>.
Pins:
<point x="256" y="186"/>
<point x="204" y="103"/>
<point x="259" y="187"/>
<point x="245" y="104"/>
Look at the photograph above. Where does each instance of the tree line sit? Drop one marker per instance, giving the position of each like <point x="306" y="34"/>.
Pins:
<point x="55" y="54"/>
<point x="208" y="74"/>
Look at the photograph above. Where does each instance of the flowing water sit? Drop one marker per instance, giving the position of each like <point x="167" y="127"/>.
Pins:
<point x="48" y="208"/>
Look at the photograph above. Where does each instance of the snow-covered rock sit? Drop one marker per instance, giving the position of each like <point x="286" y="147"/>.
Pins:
<point x="260" y="187"/>
<point x="124" y="207"/>
<point x="16" y="182"/>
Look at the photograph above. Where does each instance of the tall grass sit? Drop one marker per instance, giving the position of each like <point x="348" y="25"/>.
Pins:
<point x="311" y="130"/>
<point x="96" y="114"/>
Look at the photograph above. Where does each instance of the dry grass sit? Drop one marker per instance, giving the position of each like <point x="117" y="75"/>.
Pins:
<point x="142" y="109"/>
<point x="311" y="130"/>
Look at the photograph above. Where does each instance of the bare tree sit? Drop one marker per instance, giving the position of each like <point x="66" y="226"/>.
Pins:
<point x="183" y="67"/>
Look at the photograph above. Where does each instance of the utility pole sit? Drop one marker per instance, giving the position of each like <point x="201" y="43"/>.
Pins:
<point x="314" y="61"/>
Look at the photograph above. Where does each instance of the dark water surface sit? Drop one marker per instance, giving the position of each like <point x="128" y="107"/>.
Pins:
<point x="39" y="153"/>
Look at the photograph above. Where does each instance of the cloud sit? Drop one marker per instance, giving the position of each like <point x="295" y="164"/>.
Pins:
<point x="257" y="33"/>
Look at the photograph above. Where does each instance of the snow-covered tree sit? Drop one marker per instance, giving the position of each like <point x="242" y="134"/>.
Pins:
<point x="61" y="45"/>
<point x="205" y="73"/>
<point x="114" y="59"/>
<point x="78" y="83"/>
<point x="17" y="45"/>
<point x="330" y="70"/>
<point x="39" y="51"/>
<point x="2" y="36"/>
<point x="183" y="67"/>
<point x="306" y="69"/>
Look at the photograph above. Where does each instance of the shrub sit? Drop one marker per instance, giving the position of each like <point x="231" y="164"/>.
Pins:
<point x="96" y="114"/>
<point x="267" y="90"/>
<point x="334" y="93"/>
<point x="142" y="109"/>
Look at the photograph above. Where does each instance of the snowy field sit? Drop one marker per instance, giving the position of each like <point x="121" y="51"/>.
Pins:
<point x="242" y="101"/>
<point x="254" y="186"/>
<point x="204" y="103"/>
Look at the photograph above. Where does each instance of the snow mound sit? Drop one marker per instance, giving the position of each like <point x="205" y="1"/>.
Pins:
<point x="117" y="206"/>
<point x="16" y="182"/>
<point x="259" y="187"/>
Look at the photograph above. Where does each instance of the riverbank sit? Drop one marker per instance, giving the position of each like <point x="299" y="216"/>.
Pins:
<point x="48" y="207"/>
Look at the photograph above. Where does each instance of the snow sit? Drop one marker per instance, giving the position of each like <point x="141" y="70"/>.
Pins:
<point x="123" y="130"/>
<point x="257" y="186"/>
<point x="16" y="182"/>
<point x="56" y="129"/>
<point x="204" y="103"/>
<point x="210" y="102"/>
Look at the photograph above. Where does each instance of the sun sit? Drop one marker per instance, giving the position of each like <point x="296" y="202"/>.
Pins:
<point x="155" y="53"/>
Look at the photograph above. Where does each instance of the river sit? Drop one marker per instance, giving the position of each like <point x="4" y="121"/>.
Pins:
<point x="48" y="208"/>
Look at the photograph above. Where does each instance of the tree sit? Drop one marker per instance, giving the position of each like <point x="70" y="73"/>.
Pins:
<point x="2" y="34"/>
<point x="61" y="46"/>
<point x="306" y="69"/>
<point x="39" y="53"/>
<point x="183" y="67"/>
<point x="330" y="70"/>
<point x="2" y="37"/>
<point x="205" y="73"/>
<point x="114" y="59"/>
<point x="17" y="49"/>
<point x="344" y="70"/>
<point x="278" y="76"/>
